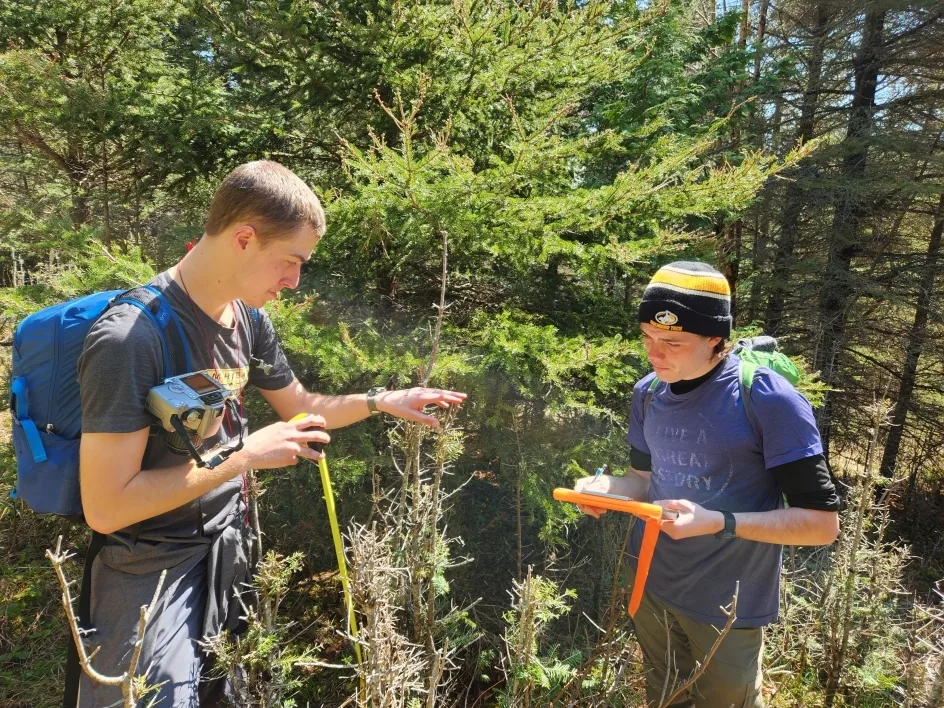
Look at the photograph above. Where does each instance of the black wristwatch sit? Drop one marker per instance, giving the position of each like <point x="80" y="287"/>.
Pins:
<point x="372" y="398"/>
<point x="729" y="526"/>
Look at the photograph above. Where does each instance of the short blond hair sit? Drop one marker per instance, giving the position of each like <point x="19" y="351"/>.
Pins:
<point x="267" y="195"/>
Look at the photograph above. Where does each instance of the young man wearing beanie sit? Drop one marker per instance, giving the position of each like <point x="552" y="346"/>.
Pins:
<point x="697" y="450"/>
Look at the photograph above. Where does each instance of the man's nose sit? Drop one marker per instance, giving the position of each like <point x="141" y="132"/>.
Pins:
<point x="291" y="281"/>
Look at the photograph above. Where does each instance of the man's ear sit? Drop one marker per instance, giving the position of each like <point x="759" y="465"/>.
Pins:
<point x="243" y="236"/>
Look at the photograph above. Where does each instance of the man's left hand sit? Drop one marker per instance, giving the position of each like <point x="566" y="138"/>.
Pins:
<point x="409" y="403"/>
<point x="693" y="520"/>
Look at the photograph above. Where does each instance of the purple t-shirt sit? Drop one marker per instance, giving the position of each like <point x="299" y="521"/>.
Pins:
<point x="705" y="450"/>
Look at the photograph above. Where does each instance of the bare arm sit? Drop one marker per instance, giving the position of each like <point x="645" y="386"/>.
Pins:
<point x="341" y="411"/>
<point x="790" y="527"/>
<point x="117" y="493"/>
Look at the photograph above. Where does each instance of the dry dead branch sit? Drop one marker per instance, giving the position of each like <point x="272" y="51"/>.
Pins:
<point x="130" y="689"/>
<point x="700" y="666"/>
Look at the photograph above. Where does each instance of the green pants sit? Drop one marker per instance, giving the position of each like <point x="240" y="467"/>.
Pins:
<point x="668" y="638"/>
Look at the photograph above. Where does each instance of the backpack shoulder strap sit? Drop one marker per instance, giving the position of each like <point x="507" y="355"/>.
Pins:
<point x="255" y="320"/>
<point x="650" y="392"/>
<point x="746" y="373"/>
<point x="154" y="305"/>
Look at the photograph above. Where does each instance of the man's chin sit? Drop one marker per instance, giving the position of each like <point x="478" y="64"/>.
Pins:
<point x="260" y="301"/>
<point x="667" y="375"/>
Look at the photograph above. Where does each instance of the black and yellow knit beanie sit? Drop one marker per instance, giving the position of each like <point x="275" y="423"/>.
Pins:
<point x="687" y="296"/>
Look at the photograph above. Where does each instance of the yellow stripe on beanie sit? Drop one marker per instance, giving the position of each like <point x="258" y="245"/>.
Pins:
<point x="705" y="282"/>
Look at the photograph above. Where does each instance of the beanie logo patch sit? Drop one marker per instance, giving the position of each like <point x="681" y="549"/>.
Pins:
<point x="666" y="318"/>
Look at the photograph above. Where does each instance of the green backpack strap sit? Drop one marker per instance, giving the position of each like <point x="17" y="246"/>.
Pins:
<point x="650" y="392"/>
<point x="746" y="371"/>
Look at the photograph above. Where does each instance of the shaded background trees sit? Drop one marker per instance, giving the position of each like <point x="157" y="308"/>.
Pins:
<point x="562" y="152"/>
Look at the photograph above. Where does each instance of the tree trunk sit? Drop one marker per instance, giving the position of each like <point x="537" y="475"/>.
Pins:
<point x="795" y="193"/>
<point x="849" y="210"/>
<point x="914" y="345"/>
<point x="732" y="234"/>
<point x="730" y="252"/>
<point x="761" y="236"/>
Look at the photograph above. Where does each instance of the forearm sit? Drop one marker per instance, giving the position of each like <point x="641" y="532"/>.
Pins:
<point x="150" y="493"/>
<point x="338" y="411"/>
<point x="789" y="527"/>
<point x="633" y="484"/>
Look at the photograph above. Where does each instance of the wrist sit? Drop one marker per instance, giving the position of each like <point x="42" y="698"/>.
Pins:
<point x="717" y="522"/>
<point x="375" y="396"/>
<point x="242" y="461"/>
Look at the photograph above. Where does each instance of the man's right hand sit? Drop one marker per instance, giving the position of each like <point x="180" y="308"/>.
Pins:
<point x="281" y="444"/>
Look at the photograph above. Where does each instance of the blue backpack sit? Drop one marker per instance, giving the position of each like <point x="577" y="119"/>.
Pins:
<point x="44" y="391"/>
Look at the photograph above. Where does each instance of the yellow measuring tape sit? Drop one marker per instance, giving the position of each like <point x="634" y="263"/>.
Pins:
<point x="338" y="544"/>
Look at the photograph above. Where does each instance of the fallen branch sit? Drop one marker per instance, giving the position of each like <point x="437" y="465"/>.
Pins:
<point x="126" y="681"/>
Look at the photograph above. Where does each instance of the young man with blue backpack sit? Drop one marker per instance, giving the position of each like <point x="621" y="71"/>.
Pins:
<point x="91" y="406"/>
<point x="723" y="439"/>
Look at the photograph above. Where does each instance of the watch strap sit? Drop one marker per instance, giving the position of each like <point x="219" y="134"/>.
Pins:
<point x="730" y="526"/>
<point x="372" y="399"/>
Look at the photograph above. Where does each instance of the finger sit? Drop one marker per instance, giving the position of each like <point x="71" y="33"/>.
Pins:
<point x="436" y="396"/>
<point x="310" y="454"/>
<point x="309" y="421"/>
<point x="410" y="414"/>
<point x="312" y="435"/>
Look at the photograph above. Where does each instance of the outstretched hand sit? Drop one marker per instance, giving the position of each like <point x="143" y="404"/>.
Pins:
<point x="409" y="403"/>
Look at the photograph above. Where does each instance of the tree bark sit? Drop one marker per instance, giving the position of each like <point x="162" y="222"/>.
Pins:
<point x="914" y="345"/>
<point x="849" y="210"/>
<point x="761" y="237"/>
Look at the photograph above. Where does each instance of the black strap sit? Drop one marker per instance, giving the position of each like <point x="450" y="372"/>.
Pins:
<point x="73" y="668"/>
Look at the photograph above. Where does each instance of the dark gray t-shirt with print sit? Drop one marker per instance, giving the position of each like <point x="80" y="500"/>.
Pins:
<point x="123" y="360"/>
<point x="203" y="546"/>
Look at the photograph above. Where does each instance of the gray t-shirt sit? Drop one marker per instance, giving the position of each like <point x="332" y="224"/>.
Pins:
<point x="122" y="360"/>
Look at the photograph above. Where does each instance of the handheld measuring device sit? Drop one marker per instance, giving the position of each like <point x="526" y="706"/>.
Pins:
<point x="653" y="514"/>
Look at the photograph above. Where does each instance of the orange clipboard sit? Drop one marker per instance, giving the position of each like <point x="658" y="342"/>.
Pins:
<point x="653" y="514"/>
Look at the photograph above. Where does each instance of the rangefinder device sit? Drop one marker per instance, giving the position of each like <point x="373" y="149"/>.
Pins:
<point x="197" y="401"/>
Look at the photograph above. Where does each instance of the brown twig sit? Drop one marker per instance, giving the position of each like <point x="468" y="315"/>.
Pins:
<point x="126" y="681"/>
<point x="700" y="667"/>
